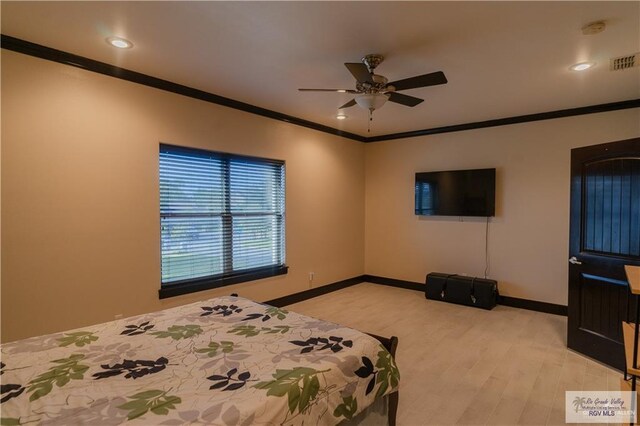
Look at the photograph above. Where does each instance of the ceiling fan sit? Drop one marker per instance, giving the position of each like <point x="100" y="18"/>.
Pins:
<point x="373" y="90"/>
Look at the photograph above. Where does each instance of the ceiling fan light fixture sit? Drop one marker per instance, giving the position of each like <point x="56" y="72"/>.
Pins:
<point x="371" y="101"/>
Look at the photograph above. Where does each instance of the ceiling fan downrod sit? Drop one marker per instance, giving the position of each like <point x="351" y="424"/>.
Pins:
<point x="372" y="61"/>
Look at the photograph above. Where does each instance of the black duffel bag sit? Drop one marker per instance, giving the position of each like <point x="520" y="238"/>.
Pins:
<point x="469" y="291"/>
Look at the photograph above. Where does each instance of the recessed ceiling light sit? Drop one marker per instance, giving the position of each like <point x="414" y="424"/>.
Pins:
<point x="341" y="116"/>
<point x="119" y="42"/>
<point x="342" y="91"/>
<point x="594" y="28"/>
<point x="581" y="66"/>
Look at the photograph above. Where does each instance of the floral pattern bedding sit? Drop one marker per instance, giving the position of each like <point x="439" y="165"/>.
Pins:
<point x="226" y="361"/>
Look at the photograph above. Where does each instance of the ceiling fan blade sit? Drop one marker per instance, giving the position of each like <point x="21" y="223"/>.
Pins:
<point x="328" y="90"/>
<point x="351" y="103"/>
<point x="407" y="100"/>
<point x="424" y="80"/>
<point x="359" y="71"/>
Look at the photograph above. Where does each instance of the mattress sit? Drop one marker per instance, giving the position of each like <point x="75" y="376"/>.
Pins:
<point x="227" y="361"/>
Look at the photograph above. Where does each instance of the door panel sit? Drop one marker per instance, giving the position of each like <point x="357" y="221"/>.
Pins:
<point x="611" y="192"/>
<point x="603" y="306"/>
<point x="604" y="236"/>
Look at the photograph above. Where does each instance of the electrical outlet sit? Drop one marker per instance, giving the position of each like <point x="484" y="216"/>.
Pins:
<point x="117" y="316"/>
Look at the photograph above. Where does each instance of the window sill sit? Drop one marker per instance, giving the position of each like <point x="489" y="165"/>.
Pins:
<point x="207" y="283"/>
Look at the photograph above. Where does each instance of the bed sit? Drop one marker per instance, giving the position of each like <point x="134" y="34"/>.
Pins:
<point x="227" y="361"/>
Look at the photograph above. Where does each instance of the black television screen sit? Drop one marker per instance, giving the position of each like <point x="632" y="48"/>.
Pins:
<point x="456" y="193"/>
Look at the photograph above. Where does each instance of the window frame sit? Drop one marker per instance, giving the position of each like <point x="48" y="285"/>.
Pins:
<point x="191" y="285"/>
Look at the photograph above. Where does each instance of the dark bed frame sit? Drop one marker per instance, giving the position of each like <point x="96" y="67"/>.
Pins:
<point x="390" y="344"/>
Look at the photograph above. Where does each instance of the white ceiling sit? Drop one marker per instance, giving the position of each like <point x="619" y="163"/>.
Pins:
<point x="502" y="59"/>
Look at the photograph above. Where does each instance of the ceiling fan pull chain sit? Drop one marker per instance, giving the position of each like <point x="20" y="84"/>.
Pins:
<point x="370" y="120"/>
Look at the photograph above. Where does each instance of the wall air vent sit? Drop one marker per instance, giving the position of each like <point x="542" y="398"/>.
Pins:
<point x="624" y="62"/>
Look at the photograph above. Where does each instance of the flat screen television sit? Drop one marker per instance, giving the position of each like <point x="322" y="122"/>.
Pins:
<point x="456" y="193"/>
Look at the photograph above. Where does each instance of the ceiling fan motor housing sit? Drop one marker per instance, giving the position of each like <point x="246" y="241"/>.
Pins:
<point x="379" y="85"/>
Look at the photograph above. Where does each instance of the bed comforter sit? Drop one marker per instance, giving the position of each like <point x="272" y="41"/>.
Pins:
<point x="227" y="361"/>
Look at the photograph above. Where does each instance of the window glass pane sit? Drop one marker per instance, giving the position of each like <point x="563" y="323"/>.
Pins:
<point x="190" y="184"/>
<point x="255" y="187"/>
<point x="257" y="241"/>
<point x="220" y="214"/>
<point x="191" y="247"/>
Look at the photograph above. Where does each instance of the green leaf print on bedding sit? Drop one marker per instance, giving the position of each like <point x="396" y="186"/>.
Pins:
<point x="177" y="332"/>
<point x="282" y="329"/>
<point x="252" y="330"/>
<point x="301" y="385"/>
<point x="277" y="313"/>
<point x="347" y="409"/>
<point x="155" y="400"/>
<point x="245" y="330"/>
<point x="79" y="338"/>
<point x="388" y="374"/>
<point x="67" y="370"/>
<point x="213" y="348"/>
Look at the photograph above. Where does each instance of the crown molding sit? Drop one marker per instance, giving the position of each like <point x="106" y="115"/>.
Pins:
<point x="48" y="53"/>
<point x="592" y="109"/>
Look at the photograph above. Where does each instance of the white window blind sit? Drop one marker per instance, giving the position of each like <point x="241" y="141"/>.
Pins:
<point x="221" y="215"/>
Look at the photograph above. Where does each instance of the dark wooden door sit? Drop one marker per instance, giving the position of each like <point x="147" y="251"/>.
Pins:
<point x="604" y="236"/>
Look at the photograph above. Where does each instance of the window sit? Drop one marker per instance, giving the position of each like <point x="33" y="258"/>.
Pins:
<point x="221" y="217"/>
<point x="425" y="200"/>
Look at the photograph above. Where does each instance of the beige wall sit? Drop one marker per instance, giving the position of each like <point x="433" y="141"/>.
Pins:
<point x="528" y="238"/>
<point x="80" y="219"/>
<point x="80" y="202"/>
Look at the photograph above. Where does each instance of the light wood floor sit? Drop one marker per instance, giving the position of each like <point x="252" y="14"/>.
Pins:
<point x="461" y="365"/>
